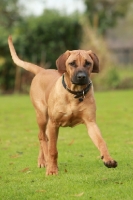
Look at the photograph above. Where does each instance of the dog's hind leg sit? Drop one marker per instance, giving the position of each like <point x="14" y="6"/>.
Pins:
<point x="52" y="131"/>
<point x="43" y="152"/>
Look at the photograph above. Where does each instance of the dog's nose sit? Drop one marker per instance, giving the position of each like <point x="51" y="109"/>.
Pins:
<point x="81" y="76"/>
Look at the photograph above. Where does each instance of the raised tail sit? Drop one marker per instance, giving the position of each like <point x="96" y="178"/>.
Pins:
<point x="26" y="65"/>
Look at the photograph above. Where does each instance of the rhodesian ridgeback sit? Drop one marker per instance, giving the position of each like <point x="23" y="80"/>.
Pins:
<point x="64" y="97"/>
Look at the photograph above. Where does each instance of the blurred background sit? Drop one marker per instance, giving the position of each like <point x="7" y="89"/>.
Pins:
<point x="44" y="29"/>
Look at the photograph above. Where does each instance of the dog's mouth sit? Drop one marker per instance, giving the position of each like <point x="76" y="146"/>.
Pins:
<point x="80" y="82"/>
<point x="80" y="78"/>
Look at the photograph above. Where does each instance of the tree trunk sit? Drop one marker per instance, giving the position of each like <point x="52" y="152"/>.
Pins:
<point x="17" y="87"/>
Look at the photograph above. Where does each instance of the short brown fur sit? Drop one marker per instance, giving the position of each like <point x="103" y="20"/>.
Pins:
<point x="56" y="107"/>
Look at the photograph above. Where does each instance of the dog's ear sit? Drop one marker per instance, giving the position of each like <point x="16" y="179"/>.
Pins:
<point x="61" y="62"/>
<point x="95" y="60"/>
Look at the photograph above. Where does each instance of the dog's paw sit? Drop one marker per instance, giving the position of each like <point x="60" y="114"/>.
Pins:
<point x="111" y="164"/>
<point x="52" y="171"/>
<point x="41" y="163"/>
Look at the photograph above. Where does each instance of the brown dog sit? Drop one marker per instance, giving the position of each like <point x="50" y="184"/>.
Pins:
<point x="64" y="100"/>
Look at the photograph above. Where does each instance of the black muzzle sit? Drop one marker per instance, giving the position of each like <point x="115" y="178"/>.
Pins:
<point x="80" y="78"/>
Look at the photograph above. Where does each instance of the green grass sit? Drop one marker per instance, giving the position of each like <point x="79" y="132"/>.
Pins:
<point x="82" y="174"/>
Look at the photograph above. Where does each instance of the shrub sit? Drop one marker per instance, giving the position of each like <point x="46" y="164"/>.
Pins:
<point x="39" y="40"/>
<point x="114" y="78"/>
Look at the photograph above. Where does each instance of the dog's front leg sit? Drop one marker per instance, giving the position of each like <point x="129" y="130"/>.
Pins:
<point x="52" y="132"/>
<point x="96" y="137"/>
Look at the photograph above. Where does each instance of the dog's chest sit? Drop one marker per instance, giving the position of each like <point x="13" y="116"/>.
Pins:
<point x="68" y="115"/>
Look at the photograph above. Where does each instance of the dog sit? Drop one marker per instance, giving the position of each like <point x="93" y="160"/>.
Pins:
<point x="64" y="97"/>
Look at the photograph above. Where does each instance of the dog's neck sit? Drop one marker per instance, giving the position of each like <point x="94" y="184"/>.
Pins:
<point x="79" y="92"/>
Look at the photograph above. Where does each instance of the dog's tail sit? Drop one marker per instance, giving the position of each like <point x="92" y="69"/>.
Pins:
<point x="26" y="65"/>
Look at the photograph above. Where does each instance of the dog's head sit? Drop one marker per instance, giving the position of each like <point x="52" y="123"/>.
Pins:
<point x="79" y="64"/>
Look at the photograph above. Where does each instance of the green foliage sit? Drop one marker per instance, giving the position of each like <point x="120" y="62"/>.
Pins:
<point x="82" y="174"/>
<point x="10" y="12"/>
<point x="10" y="18"/>
<point x="103" y="14"/>
<point x="48" y="36"/>
<point x="39" y="40"/>
<point x="112" y="79"/>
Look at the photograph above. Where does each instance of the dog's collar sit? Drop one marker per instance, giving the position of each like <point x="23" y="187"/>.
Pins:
<point x="78" y="94"/>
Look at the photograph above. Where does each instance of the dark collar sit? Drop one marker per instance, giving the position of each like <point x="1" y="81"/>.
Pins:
<point x="78" y="94"/>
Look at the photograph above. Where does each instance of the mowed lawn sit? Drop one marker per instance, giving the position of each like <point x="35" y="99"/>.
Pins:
<point x="82" y="174"/>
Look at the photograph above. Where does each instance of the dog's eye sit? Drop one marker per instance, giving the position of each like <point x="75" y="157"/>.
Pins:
<point x="87" y="63"/>
<point x="73" y="64"/>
